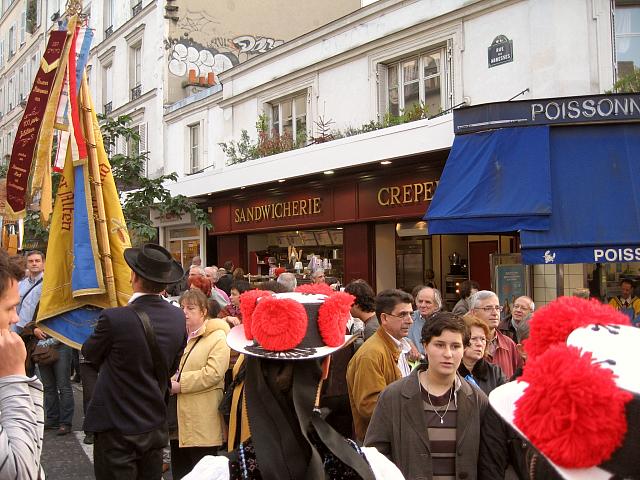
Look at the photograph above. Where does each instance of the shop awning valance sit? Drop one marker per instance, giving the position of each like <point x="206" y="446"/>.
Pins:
<point x="595" y="180"/>
<point x="494" y="181"/>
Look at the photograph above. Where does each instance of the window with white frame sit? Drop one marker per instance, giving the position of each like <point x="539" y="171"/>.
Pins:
<point x="288" y="116"/>
<point x="135" y="66"/>
<point x="23" y="26"/>
<point x="194" y="148"/>
<point x="419" y="79"/>
<point x="627" y="26"/>
<point x="12" y="40"/>
<point x="107" y="88"/>
<point x="11" y="92"/>
<point x="1" y="53"/>
<point x="21" y="85"/>
<point x="34" y="68"/>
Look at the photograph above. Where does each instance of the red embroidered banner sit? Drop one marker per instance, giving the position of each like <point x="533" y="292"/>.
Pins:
<point x="29" y="129"/>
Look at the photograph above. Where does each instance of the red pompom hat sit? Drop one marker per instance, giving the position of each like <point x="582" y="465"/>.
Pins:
<point x="578" y="401"/>
<point x="292" y="326"/>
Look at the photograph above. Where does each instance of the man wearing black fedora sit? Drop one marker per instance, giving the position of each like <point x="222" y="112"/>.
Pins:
<point x="128" y="408"/>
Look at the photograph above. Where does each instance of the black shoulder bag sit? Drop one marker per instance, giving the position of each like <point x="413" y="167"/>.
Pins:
<point x="162" y="375"/>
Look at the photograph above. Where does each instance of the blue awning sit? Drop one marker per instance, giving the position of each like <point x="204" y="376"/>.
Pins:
<point x="495" y="181"/>
<point x="595" y="180"/>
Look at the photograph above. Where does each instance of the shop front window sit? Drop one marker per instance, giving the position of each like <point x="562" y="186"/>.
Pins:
<point x="300" y="252"/>
<point x="184" y="244"/>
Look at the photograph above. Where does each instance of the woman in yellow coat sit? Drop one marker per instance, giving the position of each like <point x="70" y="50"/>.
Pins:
<point x="198" y="385"/>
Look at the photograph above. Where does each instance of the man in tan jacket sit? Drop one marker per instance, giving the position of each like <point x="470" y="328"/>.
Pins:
<point x="381" y="360"/>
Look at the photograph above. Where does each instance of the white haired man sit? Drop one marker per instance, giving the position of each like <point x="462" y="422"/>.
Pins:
<point x="288" y="281"/>
<point x="516" y="327"/>
<point x="501" y="350"/>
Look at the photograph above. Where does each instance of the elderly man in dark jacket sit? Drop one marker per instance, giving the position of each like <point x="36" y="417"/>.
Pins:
<point x="429" y="423"/>
<point x="128" y="408"/>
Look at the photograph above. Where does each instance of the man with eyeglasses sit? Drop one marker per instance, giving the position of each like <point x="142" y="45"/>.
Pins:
<point x="381" y="360"/>
<point x="501" y="350"/>
<point x="516" y="326"/>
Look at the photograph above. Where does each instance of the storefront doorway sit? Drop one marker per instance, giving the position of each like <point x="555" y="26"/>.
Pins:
<point x="184" y="244"/>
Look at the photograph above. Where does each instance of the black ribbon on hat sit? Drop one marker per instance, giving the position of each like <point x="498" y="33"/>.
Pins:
<point x="282" y="444"/>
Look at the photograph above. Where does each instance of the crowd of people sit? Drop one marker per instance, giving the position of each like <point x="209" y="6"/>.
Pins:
<point x="282" y="380"/>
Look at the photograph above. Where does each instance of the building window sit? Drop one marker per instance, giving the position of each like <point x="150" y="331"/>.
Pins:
<point x="11" y="93"/>
<point x="107" y="89"/>
<point x="627" y="25"/>
<point x="194" y="148"/>
<point x="289" y="117"/>
<point x="109" y="16"/>
<point x="415" y="81"/>
<point x="136" y="7"/>
<point x="23" y="27"/>
<point x="12" y="40"/>
<point x="135" y="71"/>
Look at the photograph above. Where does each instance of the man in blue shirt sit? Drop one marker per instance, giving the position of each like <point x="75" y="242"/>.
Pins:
<point x="30" y="289"/>
<point x="428" y="301"/>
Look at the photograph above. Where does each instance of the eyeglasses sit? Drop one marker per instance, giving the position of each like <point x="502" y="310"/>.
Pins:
<point x="491" y="308"/>
<point x="478" y="340"/>
<point x="402" y="315"/>
<point x="521" y="307"/>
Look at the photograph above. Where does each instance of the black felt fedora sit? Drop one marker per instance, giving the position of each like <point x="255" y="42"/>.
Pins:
<point x="153" y="262"/>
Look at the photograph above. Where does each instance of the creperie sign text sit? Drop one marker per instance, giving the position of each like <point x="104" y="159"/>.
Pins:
<point x="406" y="194"/>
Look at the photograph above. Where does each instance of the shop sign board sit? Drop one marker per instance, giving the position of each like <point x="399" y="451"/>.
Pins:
<point x="500" y="51"/>
<point x="396" y="197"/>
<point x="618" y="107"/>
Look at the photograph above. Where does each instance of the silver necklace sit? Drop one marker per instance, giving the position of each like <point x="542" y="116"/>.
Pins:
<point x="435" y="410"/>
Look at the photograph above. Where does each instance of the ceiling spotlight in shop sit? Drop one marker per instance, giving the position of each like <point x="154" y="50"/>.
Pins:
<point x="328" y="172"/>
<point x="282" y="180"/>
<point x="385" y="162"/>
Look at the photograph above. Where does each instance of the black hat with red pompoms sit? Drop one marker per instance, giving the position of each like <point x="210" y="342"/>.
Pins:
<point x="291" y="326"/>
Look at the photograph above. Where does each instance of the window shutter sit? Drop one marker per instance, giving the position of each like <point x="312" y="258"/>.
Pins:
<point x="23" y="26"/>
<point x="448" y="75"/>
<point x="1" y="52"/>
<point x="38" y="13"/>
<point x="142" y="131"/>
<point x="122" y="146"/>
<point x="382" y="78"/>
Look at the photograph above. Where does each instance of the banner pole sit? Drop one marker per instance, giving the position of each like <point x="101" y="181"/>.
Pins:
<point x="96" y="180"/>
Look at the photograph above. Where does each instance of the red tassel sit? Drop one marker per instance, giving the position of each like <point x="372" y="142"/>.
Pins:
<point x="316" y="288"/>
<point x="248" y="301"/>
<point x="279" y="324"/>
<point x="333" y="316"/>
<point x="572" y="410"/>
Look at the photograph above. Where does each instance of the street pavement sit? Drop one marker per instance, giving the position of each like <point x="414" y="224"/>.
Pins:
<point x="67" y="457"/>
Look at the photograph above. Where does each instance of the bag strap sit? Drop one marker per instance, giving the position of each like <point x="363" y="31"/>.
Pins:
<point x="162" y="375"/>
<point x="29" y="291"/>
<point x="187" y="358"/>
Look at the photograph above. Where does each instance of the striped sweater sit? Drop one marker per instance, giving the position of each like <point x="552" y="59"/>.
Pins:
<point x="21" y="427"/>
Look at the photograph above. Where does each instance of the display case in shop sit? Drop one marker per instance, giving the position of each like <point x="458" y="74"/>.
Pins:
<point x="299" y="252"/>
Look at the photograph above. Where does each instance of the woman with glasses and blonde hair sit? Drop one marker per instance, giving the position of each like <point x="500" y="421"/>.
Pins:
<point x="474" y="368"/>
<point x="198" y="385"/>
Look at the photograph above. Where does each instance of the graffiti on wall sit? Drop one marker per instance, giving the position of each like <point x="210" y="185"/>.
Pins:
<point x="202" y="48"/>
<point x="185" y="56"/>
<point x="251" y="44"/>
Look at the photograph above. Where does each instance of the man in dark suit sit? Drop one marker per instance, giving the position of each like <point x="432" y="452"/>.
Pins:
<point x="128" y="410"/>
